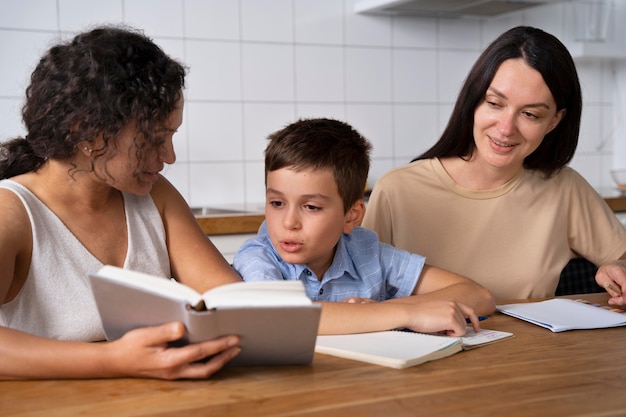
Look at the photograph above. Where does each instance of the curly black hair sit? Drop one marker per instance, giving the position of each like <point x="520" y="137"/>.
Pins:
<point x="94" y="86"/>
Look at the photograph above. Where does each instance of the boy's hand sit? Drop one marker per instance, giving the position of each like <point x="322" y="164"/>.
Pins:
<point x="447" y="317"/>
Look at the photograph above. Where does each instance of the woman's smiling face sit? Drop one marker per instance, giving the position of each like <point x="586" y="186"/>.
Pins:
<point x="517" y="112"/>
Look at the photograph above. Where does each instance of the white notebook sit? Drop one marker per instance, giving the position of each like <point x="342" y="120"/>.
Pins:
<point x="402" y="349"/>
<point x="395" y="349"/>
<point x="561" y="314"/>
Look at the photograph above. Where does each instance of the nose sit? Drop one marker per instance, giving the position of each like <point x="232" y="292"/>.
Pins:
<point x="506" y="124"/>
<point x="292" y="218"/>
<point x="166" y="152"/>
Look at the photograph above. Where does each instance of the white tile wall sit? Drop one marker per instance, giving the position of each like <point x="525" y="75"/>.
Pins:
<point x="212" y="19"/>
<point x="256" y="65"/>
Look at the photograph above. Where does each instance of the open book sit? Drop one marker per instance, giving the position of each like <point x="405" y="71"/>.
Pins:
<point x="402" y="349"/>
<point x="561" y="314"/>
<point x="275" y="320"/>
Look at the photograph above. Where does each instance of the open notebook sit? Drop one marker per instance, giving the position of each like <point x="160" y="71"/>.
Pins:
<point x="402" y="349"/>
<point x="561" y="314"/>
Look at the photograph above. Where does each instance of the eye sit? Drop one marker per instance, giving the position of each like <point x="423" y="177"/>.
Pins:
<point x="311" y="207"/>
<point x="530" y="115"/>
<point x="275" y="203"/>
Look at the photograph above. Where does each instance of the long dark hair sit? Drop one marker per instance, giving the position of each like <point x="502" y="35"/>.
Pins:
<point x="94" y="85"/>
<point x="546" y="54"/>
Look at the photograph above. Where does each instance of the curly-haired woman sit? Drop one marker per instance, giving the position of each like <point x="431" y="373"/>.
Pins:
<point x="83" y="189"/>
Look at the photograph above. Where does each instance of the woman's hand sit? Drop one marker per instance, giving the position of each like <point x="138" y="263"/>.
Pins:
<point x="144" y="352"/>
<point x="612" y="277"/>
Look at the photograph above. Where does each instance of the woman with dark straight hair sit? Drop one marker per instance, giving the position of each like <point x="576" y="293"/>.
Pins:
<point x="494" y="199"/>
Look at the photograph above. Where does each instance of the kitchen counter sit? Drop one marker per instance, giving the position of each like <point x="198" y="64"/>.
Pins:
<point x="226" y="221"/>
<point x="226" y="224"/>
<point x="617" y="202"/>
<point x="230" y="220"/>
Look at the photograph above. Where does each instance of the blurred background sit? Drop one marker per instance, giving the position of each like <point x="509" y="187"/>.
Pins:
<point x="256" y="65"/>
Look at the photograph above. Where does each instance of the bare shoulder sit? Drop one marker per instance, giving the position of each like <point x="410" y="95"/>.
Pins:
<point x="166" y="196"/>
<point x="15" y="244"/>
<point x="14" y="217"/>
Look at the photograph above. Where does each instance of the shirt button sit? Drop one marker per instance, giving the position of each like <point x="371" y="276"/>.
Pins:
<point x="308" y="272"/>
<point x="321" y="291"/>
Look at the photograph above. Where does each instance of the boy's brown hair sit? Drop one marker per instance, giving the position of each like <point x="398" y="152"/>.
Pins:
<point x="323" y="144"/>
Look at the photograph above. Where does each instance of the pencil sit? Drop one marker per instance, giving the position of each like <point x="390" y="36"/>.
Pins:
<point x="611" y="287"/>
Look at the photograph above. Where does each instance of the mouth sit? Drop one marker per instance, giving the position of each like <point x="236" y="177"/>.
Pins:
<point x="502" y="144"/>
<point x="291" y="245"/>
<point x="151" y="176"/>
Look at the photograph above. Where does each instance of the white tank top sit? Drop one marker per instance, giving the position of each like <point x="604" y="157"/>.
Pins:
<point x="56" y="300"/>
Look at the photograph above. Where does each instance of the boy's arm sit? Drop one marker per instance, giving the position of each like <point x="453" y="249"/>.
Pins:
<point x="255" y="261"/>
<point x="439" y="284"/>
<point x="426" y="316"/>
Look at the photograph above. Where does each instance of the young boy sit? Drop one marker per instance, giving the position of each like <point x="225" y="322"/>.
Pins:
<point x="315" y="175"/>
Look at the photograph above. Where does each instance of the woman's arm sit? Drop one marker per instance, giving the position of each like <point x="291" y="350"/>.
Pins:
<point x="194" y="260"/>
<point x="139" y="353"/>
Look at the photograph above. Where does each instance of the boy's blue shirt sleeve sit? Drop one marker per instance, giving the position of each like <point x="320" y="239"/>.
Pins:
<point x="256" y="260"/>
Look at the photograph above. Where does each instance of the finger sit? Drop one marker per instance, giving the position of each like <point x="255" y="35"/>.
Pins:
<point x="158" y="335"/>
<point x="199" y="351"/>
<point x="457" y="330"/>
<point x="471" y="316"/>
<point x="617" y="301"/>
<point x="475" y="322"/>
<point x="612" y="289"/>
<point x="201" y="370"/>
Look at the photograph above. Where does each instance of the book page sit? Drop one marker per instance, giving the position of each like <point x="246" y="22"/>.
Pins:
<point x="164" y="287"/>
<point x="473" y="339"/>
<point x="257" y="293"/>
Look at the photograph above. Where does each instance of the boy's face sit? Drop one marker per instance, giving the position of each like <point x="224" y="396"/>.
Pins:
<point x="305" y="216"/>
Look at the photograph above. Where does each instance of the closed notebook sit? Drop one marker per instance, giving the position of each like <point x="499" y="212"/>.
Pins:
<point x="562" y="314"/>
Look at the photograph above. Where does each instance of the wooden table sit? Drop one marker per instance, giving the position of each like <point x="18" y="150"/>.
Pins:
<point x="537" y="373"/>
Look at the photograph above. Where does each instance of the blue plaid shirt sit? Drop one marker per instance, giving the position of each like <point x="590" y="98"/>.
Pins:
<point x="362" y="267"/>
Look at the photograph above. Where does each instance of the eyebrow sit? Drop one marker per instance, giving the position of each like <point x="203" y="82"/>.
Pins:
<point x="306" y="196"/>
<point x="500" y="94"/>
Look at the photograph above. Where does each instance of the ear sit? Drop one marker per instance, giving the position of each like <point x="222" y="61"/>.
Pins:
<point x="85" y="148"/>
<point x="354" y="216"/>
<point x="556" y="120"/>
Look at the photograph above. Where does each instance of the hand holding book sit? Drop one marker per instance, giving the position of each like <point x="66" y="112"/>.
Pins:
<point x="275" y="320"/>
